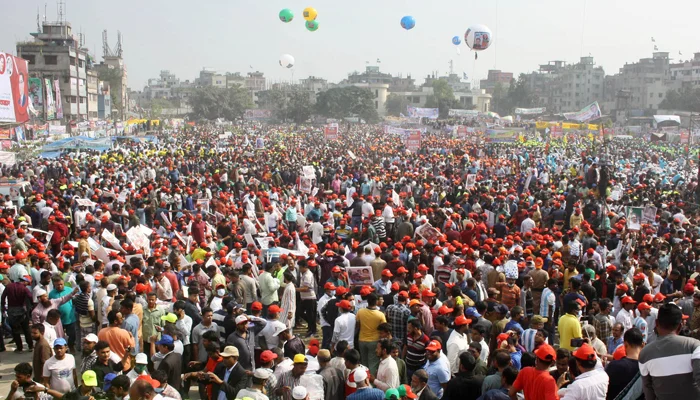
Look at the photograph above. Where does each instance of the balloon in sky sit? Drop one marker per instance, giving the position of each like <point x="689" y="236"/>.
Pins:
<point x="456" y="41"/>
<point x="286" y="61"/>
<point x="312" y="26"/>
<point x="310" y="13"/>
<point x="478" y="37"/>
<point x="286" y="15"/>
<point x="408" y="22"/>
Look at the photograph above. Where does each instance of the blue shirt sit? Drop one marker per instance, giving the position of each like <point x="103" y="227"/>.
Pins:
<point x="66" y="309"/>
<point x="382" y="288"/>
<point x="131" y="324"/>
<point x="614" y="344"/>
<point x="438" y="373"/>
<point x="360" y="394"/>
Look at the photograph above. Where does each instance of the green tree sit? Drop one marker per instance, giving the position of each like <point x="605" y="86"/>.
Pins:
<point x="396" y="105"/>
<point x="299" y="106"/>
<point x="156" y="107"/>
<point x="517" y="95"/>
<point x="114" y="77"/>
<point x="349" y="101"/>
<point x="686" y="99"/>
<point x="293" y="104"/>
<point x="443" y="98"/>
<point x="212" y="103"/>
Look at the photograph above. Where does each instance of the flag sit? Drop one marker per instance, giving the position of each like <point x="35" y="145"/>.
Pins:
<point x="655" y="47"/>
<point x="378" y="61"/>
<point x="464" y="74"/>
<point x="652" y="39"/>
<point x="679" y="53"/>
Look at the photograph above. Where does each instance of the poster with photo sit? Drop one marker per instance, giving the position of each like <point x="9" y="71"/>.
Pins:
<point x="649" y="215"/>
<point x="471" y="181"/>
<point x="360" y="276"/>
<point x="634" y="218"/>
<point x="428" y="232"/>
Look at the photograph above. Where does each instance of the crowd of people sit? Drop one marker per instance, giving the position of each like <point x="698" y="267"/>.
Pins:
<point x="271" y="264"/>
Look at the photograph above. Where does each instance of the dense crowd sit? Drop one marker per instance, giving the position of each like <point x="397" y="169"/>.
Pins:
<point x="271" y="264"/>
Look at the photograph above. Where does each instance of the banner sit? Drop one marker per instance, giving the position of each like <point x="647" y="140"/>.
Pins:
<point x="6" y="133"/>
<point x="500" y="136"/>
<point x="530" y="111"/>
<point x="14" y="89"/>
<point x="50" y="105"/>
<point x="36" y="92"/>
<point x="462" y="113"/>
<point x="59" y="101"/>
<point x="412" y="140"/>
<point x="257" y="114"/>
<point x="461" y="131"/>
<point x="591" y="111"/>
<point x="430" y="113"/>
<point x="8" y="158"/>
<point x="331" y="131"/>
<point x="57" y="129"/>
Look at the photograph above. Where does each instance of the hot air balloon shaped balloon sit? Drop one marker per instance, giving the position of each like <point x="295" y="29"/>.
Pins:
<point x="286" y="61"/>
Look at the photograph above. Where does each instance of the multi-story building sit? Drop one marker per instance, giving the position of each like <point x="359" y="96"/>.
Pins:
<point x="56" y="54"/>
<point x="644" y="83"/>
<point x="686" y="73"/>
<point x="92" y="94"/>
<point x="104" y="101"/>
<point x="496" y="76"/>
<point x="314" y="85"/>
<point x="540" y="82"/>
<point x="476" y="99"/>
<point x="113" y="65"/>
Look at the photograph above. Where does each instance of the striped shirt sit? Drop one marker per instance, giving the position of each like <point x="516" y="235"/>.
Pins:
<point x="548" y="299"/>
<point x="528" y="339"/>
<point x="670" y="368"/>
<point x="415" y="354"/>
<point x="641" y="324"/>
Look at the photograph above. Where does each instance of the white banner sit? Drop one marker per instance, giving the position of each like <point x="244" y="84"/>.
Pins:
<point x="8" y="158"/>
<point x="462" y="113"/>
<point x="591" y="111"/>
<point x="530" y="111"/>
<point x="430" y="113"/>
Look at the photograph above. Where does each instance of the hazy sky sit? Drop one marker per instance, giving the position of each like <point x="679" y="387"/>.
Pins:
<point x="232" y="35"/>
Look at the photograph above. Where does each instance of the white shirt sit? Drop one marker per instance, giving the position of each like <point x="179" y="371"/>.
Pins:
<point x="322" y="302"/>
<point x="527" y="225"/>
<point x="651" y="324"/>
<point x="388" y="215"/>
<point x="591" y="385"/>
<point x="457" y="344"/>
<point x="387" y="374"/>
<point x="49" y="333"/>
<point x="316" y="230"/>
<point x="626" y="318"/>
<point x="60" y="373"/>
<point x="344" y="329"/>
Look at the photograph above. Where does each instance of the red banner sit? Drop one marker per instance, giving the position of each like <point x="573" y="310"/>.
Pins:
<point x="331" y="131"/>
<point x="461" y="131"/>
<point x="413" y="138"/>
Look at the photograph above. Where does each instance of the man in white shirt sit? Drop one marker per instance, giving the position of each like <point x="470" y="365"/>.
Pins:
<point x="592" y="382"/>
<point x="626" y="315"/>
<point x="527" y="225"/>
<point x="326" y="328"/>
<point x="344" y="328"/>
<point x="388" y="371"/>
<point x="458" y="342"/>
<point x="316" y="230"/>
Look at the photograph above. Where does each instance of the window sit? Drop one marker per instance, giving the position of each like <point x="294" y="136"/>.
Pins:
<point x="73" y="99"/>
<point x="30" y="58"/>
<point x="82" y="100"/>
<point x="661" y="95"/>
<point x="51" y="60"/>
<point x="81" y="63"/>
<point x="72" y="61"/>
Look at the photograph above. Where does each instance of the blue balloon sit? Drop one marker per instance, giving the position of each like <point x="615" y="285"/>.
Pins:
<point x="408" y="22"/>
<point x="456" y="41"/>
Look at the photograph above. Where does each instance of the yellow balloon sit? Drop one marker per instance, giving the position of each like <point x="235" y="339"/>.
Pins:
<point x="310" y="13"/>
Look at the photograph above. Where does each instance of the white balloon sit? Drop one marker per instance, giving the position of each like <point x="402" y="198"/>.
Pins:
<point x="478" y="37"/>
<point x="286" y="61"/>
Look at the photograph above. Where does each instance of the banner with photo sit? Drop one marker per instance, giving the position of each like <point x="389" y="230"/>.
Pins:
<point x="412" y="140"/>
<point x="255" y="114"/>
<point x="14" y="89"/>
<point x="59" y="101"/>
<point x="591" y="111"/>
<point x="462" y="113"/>
<point x="36" y="92"/>
<point x="49" y="104"/>
<point x="416" y="112"/>
<point x="634" y="218"/>
<point x="530" y="111"/>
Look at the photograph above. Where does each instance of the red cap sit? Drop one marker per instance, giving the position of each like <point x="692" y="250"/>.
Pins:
<point x="267" y="356"/>
<point x="546" y="352"/>
<point x="639" y="277"/>
<point x="643" y="306"/>
<point x="434" y="345"/>
<point x="365" y="290"/>
<point x="427" y="293"/>
<point x="423" y="267"/>
<point x="341" y="290"/>
<point x="628" y="300"/>
<point x="401" y="270"/>
<point x="648" y="298"/>
<point x="274" y="308"/>
<point x="394" y="253"/>
<point x="336" y="269"/>
<point x="395" y="286"/>
<point x="256" y="306"/>
<point x="622" y="287"/>
<point x="619" y="353"/>
<point x="462" y="320"/>
<point x="329" y="286"/>
<point x="689" y="288"/>
<point x="585" y="352"/>
<point x="154" y="383"/>
<point x="445" y="310"/>
<point x="344" y="304"/>
<point x="387" y="273"/>
<point x="659" y="297"/>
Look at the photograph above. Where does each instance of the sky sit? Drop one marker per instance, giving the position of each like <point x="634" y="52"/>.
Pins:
<point x="235" y="35"/>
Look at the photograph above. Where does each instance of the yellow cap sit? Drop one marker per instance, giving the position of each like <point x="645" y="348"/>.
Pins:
<point x="300" y="359"/>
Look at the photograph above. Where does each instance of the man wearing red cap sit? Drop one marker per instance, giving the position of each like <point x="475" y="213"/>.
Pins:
<point x="344" y="325"/>
<point x="458" y="342"/>
<point x="437" y="367"/>
<point x="326" y="326"/>
<point x="626" y="315"/>
<point x="592" y="382"/>
<point x="535" y="382"/>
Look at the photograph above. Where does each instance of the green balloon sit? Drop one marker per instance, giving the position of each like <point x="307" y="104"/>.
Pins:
<point x="286" y="15"/>
<point x="312" y="26"/>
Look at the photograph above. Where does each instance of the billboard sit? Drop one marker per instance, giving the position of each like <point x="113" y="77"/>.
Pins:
<point x="331" y="131"/>
<point x="501" y="136"/>
<point x="36" y="92"/>
<point x="530" y="111"/>
<point x="14" y="89"/>
<point x="257" y="114"/>
<point x="430" y="113"/>
<point x="587" y="113"/>
<point x="50" y="105"/>
<point x="59" y="101"/>
<point x="463" y="113"/>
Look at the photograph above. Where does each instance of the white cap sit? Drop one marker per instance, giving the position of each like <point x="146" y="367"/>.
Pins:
<point x="141" y="358"/>
<point x="85" y="254"/>
<point x="359" y="374"/>
<point x="111" y="287"/>
<point x="241" y="318"/>
<point x="92" y="338"/>
<point x="40" y="292"/>
<point x="299" y="393"/>
<point x="261" y="373"/>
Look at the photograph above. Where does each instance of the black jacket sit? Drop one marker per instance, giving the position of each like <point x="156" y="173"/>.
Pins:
<point x="172" y="365"/>
<point x="237" y="380"/>
<point x="427" y="394"/>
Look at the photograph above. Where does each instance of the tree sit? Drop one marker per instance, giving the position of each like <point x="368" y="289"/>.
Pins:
<point x="156" y="107"/>
<point x="517" y="95"/>
<point x="349" y="101"/>
<point x="212" y="103"/>
<point x="299" y="107"/>
<point x="114" y="77"/>
<point x="686" y="99"/>
<point x="396" y="105"/>
<point x="293" y="104"/>
<point x="443" y="98"/>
